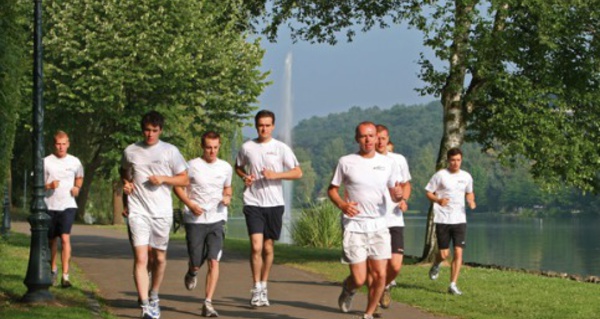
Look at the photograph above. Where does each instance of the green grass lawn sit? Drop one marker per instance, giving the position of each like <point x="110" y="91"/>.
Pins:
<point x="488" y="293"/>
<point x="72" y="303"/>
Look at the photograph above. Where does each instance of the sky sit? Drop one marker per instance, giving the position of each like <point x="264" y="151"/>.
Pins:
<point x="379" y="68"/>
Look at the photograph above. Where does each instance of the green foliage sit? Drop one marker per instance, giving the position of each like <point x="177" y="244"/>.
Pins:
<point x="12" y="68"/>
<point x="520" y="77"/>
<point x="107" y="63"/>
<point x="318" y="226"/>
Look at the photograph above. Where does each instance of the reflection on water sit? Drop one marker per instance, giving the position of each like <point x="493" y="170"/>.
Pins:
<point x="570" y="245"/>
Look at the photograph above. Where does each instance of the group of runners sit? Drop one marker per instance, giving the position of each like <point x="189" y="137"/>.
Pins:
<point x="376" y="187"/>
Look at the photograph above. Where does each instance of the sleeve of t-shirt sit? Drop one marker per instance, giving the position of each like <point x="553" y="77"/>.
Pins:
<point x="404" y="171"/>
<point x="240" y="159"/>
<point x="469" y="187"/>
<point x="337" y="175"/>
<point x="46" y="172"/>
<point x="126" y="166"/>
<point x="289" y="158"/>
<point x="191" y="170"/>
<point x="432" y="186"/>
<point x="395" y="175"/>
<point x="79" y="173"/>
<point x="229" y="176"/>
<point x="179" y="164"/>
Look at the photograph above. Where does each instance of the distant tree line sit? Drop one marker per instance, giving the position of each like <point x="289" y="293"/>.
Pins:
<point x="415" y="132"/>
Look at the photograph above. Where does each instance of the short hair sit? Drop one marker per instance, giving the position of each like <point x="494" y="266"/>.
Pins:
<point x="60" y="134"/>
<point x="380" y="128"/>
<point x="390" y="146"/>
<point x="359" y="125"/>
<point x="212" y="135"/>
<point x="153" y="118"/>
<point x="264" y="113"/>
<point x="453" y="152"/>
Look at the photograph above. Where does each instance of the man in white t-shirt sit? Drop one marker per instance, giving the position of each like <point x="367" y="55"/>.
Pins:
<point x="263" y="163"/>
<point x="366" y="176"/>
<point x="149" y="170"/>
<point x="206" y="200"/>
<point x="447" y="190"/>
<point x="395" y="215"/>
<point x="63" y="177"/>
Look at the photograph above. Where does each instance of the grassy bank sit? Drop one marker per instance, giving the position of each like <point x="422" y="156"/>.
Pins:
<point x="72" y="303"/>
<point x="488" y="293"/>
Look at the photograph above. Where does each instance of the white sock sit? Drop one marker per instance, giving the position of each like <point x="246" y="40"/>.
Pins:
<point x="263" y="284"/>
<point x="65" y="276"/>
<point x="257" y="285"/>
<point x="453" y="284"/>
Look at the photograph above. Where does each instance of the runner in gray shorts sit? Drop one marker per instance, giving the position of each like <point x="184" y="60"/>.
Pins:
<point x="206" y="200"/>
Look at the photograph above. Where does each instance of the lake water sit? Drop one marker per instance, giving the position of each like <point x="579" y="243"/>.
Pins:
<point x="570" y="245"/>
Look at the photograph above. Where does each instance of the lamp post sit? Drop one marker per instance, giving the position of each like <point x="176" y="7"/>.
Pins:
<point x="38" y="278"/>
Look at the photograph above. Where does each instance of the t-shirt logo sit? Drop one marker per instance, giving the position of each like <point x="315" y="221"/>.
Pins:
<point x="379" y="168"/>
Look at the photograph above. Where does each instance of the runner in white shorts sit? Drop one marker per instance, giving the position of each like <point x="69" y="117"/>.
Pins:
<point x="149" y="170"/>
<point x="366" y="176"/>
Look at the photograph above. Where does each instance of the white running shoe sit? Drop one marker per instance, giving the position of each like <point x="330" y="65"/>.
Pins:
<point x="255" y="299"/>
<point x="453" y="289"/>
<point x="208" y="310"/>
<point x="264" y="298"/>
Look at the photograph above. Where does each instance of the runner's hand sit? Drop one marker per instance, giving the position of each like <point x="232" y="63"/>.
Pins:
<point x="128" y="188"/>
<point x="197" y="210"/>
<point x="350" y="209"/>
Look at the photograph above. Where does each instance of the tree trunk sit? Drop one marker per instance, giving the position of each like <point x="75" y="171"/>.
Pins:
<point x="90" y="172"/>
<point x="454" y="112"/>
<point x="117" y="199"/>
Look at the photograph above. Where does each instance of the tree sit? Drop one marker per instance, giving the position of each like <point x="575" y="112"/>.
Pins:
<point x="12" y="68"/>
<point x="522" y="75"/>
<point x="108" y="62"/>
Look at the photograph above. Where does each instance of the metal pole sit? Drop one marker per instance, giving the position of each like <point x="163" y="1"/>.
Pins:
<point x="25" y="190"/>
<point x="38" y="278"/>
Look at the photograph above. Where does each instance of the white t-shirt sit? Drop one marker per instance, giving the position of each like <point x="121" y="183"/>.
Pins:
<point x="454" y="186"/>
<point x="65" y="170"/>
<point x="273" y="155"/>
<point x="207" y="181"/>
<point x="141" y="161"/>
<point x="395" y="217"/>
<point x="366" y="181"/>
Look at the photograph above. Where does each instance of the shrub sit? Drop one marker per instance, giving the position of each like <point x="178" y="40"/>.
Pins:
<point x="319" y="225"/>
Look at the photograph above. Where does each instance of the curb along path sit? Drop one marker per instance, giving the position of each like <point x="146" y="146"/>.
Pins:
<point x="105" y="257"/>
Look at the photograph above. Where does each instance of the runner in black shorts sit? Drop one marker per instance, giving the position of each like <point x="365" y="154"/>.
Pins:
<point x="63" y="177"/>
<point x="264" y="220"/>
<point x="456" y="233"/>
<point x="263" y="163"/>
<point x="447" y="190"/>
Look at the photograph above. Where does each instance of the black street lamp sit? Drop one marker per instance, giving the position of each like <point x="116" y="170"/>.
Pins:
<point x="38" y="278"/>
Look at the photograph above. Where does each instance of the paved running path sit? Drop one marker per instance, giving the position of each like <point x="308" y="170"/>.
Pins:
<point x="105" y="257"/>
